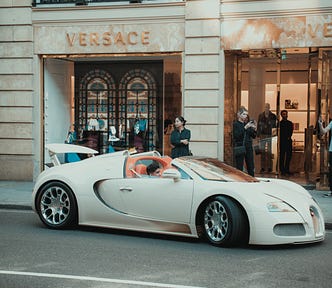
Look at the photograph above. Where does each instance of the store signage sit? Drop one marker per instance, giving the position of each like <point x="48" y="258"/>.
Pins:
<point x="108" y="38"/>
<point x="302" y="31"/>
<point x="327" y="30"/>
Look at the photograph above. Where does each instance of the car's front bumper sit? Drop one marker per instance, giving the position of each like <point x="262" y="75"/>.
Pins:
<point x="272" y="228"/>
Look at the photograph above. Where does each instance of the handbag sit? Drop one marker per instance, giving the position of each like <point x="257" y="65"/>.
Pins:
<point x="240" y="150"/>
<point x="257" y="149"/>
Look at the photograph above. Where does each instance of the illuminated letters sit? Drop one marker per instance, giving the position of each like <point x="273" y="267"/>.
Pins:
<point x="132" y="35"/>
<point x="119" y="39"/>
<point x="311" y="32"/>
<point x="327" y="29"/>
<point x="94" y="39"/>
<point x="82" y="38"/>
<point x="108" y="38"/>
<point x="70" y="39"/>
<point x="145" y="38"/>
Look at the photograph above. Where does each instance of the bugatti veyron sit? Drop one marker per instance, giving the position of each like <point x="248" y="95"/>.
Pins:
<point x="194" y="197"/>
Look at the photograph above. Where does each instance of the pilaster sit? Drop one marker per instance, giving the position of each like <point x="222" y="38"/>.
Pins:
<point x="16" y="91"/>
<point x="202" y="77"/>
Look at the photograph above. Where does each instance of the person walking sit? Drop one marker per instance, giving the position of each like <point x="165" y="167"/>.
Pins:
<point x="323" y="131"/>
<point x="244" y="131"/>
<point x="266" y="121"/>
<point x="286" y="132"/>
<point x="180" y="138"/>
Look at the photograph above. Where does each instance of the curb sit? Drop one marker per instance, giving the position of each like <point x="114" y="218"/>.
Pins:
<point x="15" y="207"/>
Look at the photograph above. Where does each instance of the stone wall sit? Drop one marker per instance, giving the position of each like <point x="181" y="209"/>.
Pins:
<point x="16" y="90"/>
<point x="230" y="102"/>
<point x="201" y="99"/>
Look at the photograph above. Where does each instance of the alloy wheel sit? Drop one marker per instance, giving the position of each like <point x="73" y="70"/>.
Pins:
<point x="55" y="205"/>
<point x="216" y="221"/>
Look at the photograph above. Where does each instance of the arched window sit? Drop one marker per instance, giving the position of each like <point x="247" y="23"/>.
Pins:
<point x="96" y="100"/>
<point x="125" y="106"/>
<point x="138" y="109"/>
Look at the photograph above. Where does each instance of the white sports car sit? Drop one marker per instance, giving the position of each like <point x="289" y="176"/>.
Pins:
<point x="194" y="197"/>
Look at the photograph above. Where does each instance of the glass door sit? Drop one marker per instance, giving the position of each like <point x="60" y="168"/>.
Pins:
<point x="286" y="79"/>
<point x="324" y="109"/>
<point x="298" y="96"/>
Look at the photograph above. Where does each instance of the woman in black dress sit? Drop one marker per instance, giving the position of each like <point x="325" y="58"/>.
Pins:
<point x="243" y="133"/>
<point x="180" y="138"/>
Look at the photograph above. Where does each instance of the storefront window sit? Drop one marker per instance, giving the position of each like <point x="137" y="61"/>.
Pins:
<point x="286" y="79"/>
<point x="119" y="114"/>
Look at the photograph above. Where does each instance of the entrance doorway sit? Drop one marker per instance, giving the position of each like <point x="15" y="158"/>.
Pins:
<point x="101" y="100"/>
<point x="296" y="80"/>
<point x="324" y="109"/>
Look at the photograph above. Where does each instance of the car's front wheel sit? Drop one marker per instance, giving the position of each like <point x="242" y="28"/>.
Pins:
<point x="56" y="205"/>
<point x="224" y="222"/>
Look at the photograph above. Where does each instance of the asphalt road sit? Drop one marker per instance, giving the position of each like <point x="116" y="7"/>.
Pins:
<point x="34" y="256"/>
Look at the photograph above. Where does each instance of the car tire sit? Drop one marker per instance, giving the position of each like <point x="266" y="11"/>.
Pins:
<point x="224" y="223"/>
<point x="56" y="206"/>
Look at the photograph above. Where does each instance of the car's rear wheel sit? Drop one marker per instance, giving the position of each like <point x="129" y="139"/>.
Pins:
<point x="224" y="222"/>
<point x="56" y="205"/>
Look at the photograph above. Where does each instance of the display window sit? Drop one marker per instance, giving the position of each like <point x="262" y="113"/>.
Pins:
<point x="295" y="80"/>
<point x="119" y="108"/>
<point x="111" y="106"/>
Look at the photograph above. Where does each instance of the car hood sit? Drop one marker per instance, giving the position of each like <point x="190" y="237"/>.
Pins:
<point x="255" y="195"/>
<point x="284" y="190"/>
<point x="289" y="192"/>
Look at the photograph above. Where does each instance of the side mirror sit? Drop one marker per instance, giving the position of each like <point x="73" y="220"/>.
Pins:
<point x="172" y="173"/>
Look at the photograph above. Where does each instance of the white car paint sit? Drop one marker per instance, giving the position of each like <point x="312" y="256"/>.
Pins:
<point x="106" y="199"/>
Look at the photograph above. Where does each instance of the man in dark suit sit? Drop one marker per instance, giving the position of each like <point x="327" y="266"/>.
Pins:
<point x="286" y="132"/>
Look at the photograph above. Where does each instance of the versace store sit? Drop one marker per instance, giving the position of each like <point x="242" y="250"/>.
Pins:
<point x="113" y="75"/>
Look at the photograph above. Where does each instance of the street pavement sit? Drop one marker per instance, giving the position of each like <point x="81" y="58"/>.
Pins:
<point x="17" y="195"/>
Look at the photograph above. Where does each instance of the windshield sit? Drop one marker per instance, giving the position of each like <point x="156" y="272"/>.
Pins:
<point x="213" y="169"/>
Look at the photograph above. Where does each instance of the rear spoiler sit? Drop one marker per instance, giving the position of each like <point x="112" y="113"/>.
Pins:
<point x="59" y="148"/>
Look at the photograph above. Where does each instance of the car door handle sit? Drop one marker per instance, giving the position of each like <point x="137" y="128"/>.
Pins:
<point x="126" y="189"/>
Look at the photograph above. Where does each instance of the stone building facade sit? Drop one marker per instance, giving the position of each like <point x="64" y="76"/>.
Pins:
<point x="198" y="42"/>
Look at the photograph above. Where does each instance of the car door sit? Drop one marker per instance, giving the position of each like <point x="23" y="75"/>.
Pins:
<point x="157" y="198"/>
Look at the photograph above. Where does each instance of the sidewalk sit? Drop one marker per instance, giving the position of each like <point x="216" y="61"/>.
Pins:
<point x="17" y="195"/>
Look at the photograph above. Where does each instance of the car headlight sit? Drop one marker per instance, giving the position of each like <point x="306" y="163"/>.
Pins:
<point x="279" y="207"/>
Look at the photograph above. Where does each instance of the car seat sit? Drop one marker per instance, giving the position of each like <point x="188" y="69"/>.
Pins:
<point x="140" y="169"/>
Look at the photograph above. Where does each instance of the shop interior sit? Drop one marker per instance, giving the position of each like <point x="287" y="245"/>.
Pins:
<point x="111" y="105"/>
<point x="299" y="81"/>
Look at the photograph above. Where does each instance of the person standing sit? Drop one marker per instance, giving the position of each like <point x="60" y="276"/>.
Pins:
<point x="243" y="133"/>
<point x="266" y="122"/>
<point x="323" y="131"/>
<point x="180" y="138"/>
<point x="286" y="132"/>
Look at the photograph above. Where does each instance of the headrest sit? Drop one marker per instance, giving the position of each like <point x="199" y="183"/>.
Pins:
<point x="140" y="169"/>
